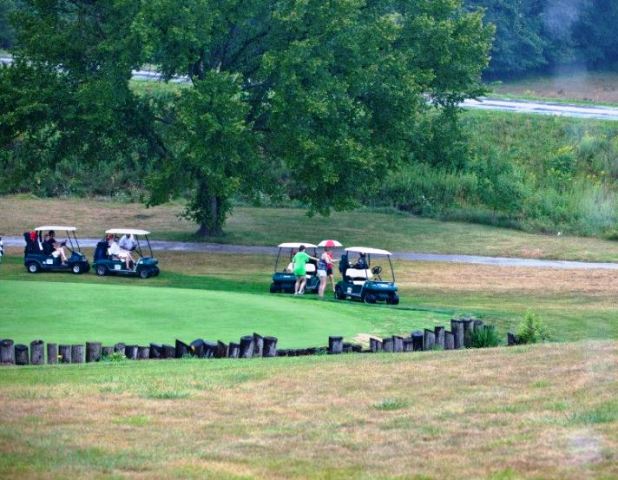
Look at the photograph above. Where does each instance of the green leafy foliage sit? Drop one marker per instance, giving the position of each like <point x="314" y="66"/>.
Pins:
<point x="532" y="329"/>
<point x="485" y="337"/>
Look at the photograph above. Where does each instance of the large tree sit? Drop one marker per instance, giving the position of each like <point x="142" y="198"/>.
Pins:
<point x="69" y="95"/>
<point x="337" y="91"/>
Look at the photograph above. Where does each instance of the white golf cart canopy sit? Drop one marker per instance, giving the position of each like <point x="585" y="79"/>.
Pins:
<point x="296" y="245"/>
<point x="368" y="251"/>
<point x="55" y="227"/>
<point x="127" y="231"/>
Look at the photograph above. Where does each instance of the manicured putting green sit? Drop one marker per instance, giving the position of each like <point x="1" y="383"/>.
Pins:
<point x="79" y="312"/>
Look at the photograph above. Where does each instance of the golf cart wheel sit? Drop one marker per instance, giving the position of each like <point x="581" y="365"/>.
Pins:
<point x="393" y="300"/>
<point x="339" y="295"/>
<point x="77" y="268"/>
<point x="370" y="298"/>
<point x="33" y="267"/>
<point x="273" y="288"/>
<point x="101" y="271"/>
<point x="144" y="274"/>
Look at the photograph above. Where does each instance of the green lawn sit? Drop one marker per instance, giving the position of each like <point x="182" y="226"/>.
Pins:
<point x="79" y="312"/>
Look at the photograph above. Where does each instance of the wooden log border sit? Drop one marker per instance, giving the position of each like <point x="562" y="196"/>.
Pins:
<point x="248" y="346"/>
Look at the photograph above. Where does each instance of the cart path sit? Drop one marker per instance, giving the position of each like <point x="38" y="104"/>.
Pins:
<point x="413" y="256"/>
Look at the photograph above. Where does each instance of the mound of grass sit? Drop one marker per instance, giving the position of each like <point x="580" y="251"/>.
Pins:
<point x="79" y="312"/>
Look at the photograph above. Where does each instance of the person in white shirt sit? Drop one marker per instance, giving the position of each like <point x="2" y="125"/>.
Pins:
<point x="115" y="250"/>
<point x="128" y="242"/>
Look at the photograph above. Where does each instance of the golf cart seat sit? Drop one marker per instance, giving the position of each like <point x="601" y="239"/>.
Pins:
<point x="358" y="276"/>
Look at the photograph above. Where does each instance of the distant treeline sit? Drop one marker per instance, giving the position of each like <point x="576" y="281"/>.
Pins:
<point x="531" y="35"/>
<point x="540" y="35"/>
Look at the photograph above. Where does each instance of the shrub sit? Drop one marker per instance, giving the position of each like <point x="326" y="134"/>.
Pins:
<point x="532" y="329"/>
<point x="485" y="337"/>
<point x="114" y="357"/>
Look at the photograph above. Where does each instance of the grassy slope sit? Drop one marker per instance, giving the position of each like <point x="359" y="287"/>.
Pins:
<point x="270" y="226"/>
<point x="575" y="304"/>
<point x="540" y="412"/>
<point x="77" y="312"/>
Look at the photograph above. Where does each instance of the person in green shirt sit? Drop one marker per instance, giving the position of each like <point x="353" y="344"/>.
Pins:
<point x="300" y="271"/>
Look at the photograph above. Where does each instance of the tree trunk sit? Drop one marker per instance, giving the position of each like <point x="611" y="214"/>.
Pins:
<point x="52" y="353"/>
<point x="21" y="354"/>
<point x="449" y="341"/>
<point x="335" y="345"/>
<point x="375" y="345"/>
<point x="156" y="351"/>
<point x="198" y="348"/>
<point x="37" y="352"/>
<point x="457" y="327"/>
<point x="77" y="354"/>
<point x="233" y="350"/>
<point x="64" y="352"/>
<point x="168" y="351"/>
<point x="270" y="347"/>
<point x="210" y="349"/>
<point x="7" y="351"/>
<point x="93" y="351"/>
<point x="417" y="341"/>
<point x="258" y="344"/>
<point x="131" y="351"/>
<point x="439" y="333"/>
<point x="182" y="349"/>
<point x="143" y="353"/>
<point x="429" y="339"/>
<point x="246" y="346"/>
<point x="397" y="343"/>
<point x="222" y="350"/>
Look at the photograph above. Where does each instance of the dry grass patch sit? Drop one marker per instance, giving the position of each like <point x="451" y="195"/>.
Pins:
<point x="468" y="414"/>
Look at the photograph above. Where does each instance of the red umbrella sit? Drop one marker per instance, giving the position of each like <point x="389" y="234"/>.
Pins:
<point x="329" y="243"/>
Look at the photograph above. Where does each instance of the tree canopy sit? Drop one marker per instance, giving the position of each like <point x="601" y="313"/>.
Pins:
<point x="335" y="93"/>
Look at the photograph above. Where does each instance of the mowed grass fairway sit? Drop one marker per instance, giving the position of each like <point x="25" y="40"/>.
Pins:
<point x="547" y="411"/>
<point x="79" y="312"/>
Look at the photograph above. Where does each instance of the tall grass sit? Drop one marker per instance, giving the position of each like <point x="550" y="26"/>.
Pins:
<point x="532" y="173"/>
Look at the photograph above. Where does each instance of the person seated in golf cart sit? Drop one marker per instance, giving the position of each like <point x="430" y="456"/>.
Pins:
<point x="54" y="248"/>
<point x="127" y="242"/>
<point x="116" y="251"/>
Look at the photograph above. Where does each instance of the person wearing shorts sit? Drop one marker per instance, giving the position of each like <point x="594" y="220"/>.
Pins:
<point x="300" y="269"/>
<point x="325" y="271"/>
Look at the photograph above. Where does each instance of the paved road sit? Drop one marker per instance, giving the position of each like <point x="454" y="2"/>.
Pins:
<point x="518" y="106"/>
<point x="413" y="256"/>
<point x="544" y="108"/>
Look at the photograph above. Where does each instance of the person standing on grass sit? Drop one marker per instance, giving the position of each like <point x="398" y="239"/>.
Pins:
<point x="300" y="269"/>
<point x="325" y="270"/>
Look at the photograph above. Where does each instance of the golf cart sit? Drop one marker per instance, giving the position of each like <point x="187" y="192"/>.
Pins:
<point x="39" y="258"/>
<point x="106" y="264"/>
<point x="284" y="279"/>
<point x="363" y="282"/>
